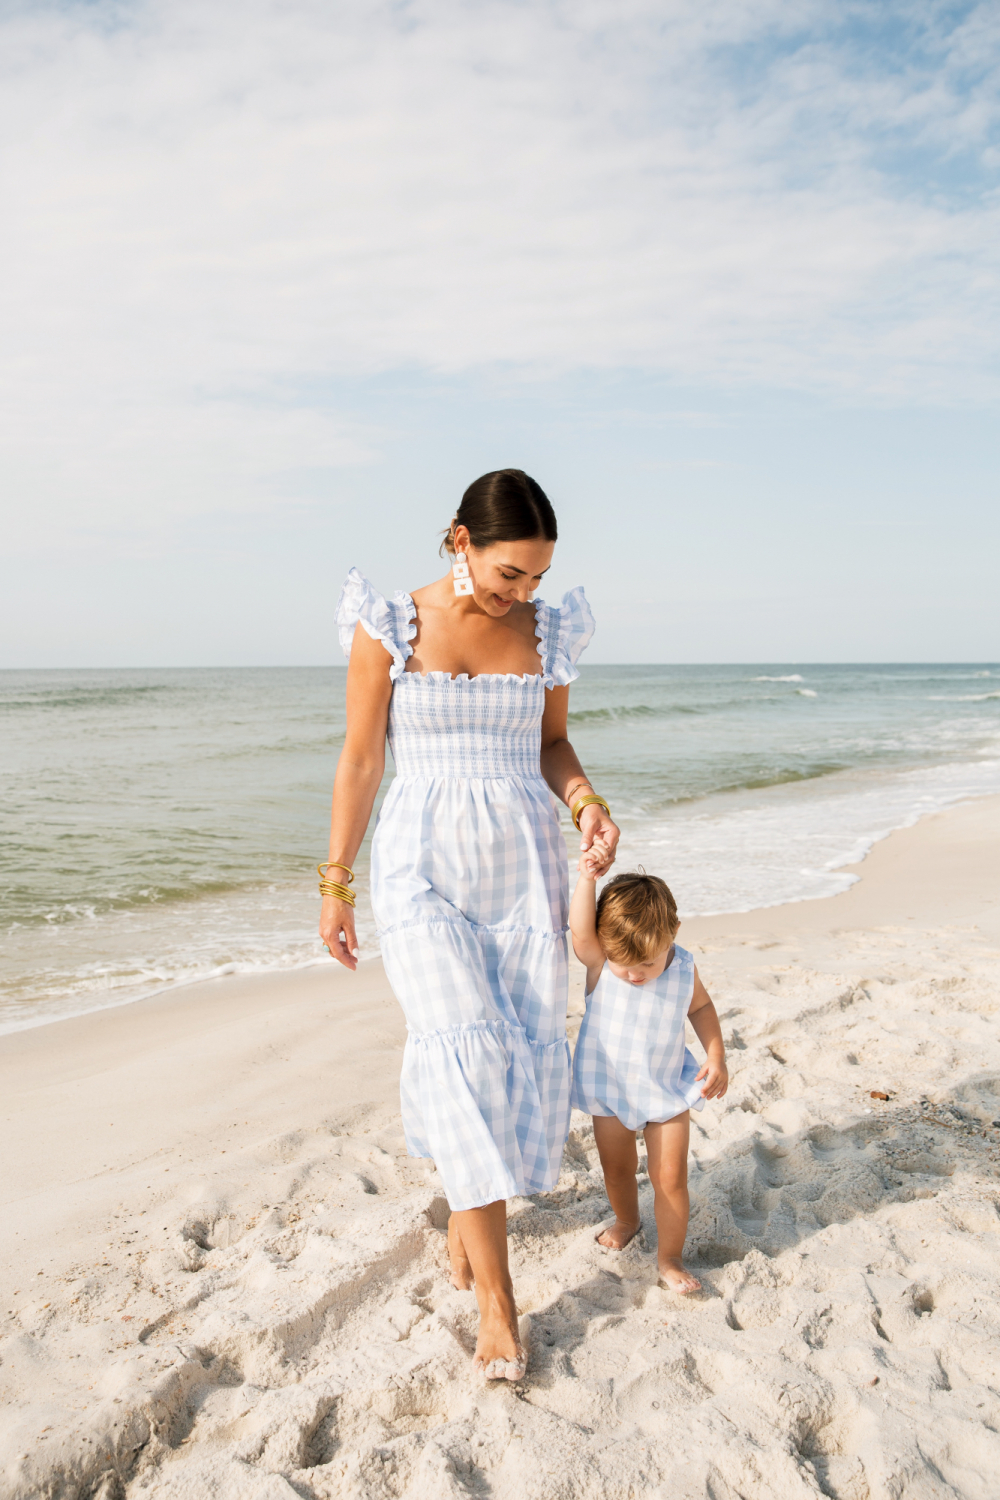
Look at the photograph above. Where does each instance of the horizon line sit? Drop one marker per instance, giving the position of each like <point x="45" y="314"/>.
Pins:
<point x="582" y="667"/>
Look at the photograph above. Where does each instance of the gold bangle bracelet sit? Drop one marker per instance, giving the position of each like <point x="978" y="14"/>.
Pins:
<point x="334" y="864"/>
<point x="338" y="891"/>
<point x="590" y="801"/>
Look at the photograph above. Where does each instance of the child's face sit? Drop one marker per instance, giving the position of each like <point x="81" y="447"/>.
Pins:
<point x="642" y="973"/>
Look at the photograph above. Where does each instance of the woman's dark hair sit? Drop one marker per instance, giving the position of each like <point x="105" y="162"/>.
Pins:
<point x="505" y="506"/>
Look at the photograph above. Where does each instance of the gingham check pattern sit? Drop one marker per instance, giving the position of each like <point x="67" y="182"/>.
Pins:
<point x="630" y="1058"/>
<point x="470" y="893"/>
<point x="483" y="727"/>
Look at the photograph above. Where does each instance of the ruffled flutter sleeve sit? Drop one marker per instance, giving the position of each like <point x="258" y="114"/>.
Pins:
<point x="564" y="634"/>
<point x="391" y="621"/>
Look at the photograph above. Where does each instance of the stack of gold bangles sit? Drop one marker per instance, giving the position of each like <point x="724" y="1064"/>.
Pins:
<point x="577" y="808"/>
<point x="335" y="887"/>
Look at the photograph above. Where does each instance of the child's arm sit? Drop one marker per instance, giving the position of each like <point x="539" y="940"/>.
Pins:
<point x="583" y="918"/>
<point x="701" y="1014"/>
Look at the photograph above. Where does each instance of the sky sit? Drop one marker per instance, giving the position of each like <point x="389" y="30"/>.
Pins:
<point x="279" y="278"/>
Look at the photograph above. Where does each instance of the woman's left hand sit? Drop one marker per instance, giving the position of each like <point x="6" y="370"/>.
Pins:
<point x="595" y="823"/>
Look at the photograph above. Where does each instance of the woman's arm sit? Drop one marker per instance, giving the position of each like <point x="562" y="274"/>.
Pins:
<point x="567" y="778"/>
<point x="703" y="1017"/>
<point x="359" y="773"/>
<point x="583" y="920"/>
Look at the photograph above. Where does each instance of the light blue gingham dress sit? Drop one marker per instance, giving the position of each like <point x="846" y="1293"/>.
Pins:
<point x="630" y="1058"/>
<point x="469" y="889"/>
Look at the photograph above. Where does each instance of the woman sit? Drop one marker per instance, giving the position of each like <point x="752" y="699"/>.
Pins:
<point x="470" y="682"/>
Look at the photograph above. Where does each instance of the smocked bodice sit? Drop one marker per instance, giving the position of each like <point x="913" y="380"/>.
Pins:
<point x="486" y="726"/>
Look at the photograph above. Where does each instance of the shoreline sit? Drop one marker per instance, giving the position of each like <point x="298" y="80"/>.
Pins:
<point x="207" y="1201"/>
<point x="855" y="869"/>
<point x="895" y="882"/>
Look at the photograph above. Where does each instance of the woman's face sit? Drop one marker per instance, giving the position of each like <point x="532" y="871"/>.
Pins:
<point x="506" y="571"/>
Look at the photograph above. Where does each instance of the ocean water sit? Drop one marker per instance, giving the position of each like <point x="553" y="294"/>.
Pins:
<point x="164" y="826"/>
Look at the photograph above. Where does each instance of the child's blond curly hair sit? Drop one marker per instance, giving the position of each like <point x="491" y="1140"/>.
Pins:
<point x="636" y="918"/>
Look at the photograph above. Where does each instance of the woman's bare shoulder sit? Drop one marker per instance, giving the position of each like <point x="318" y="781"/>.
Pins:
<point x="427" y="596"/>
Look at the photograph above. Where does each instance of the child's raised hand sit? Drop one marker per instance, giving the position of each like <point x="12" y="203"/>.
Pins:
<point x="716" y="1076"/>
<point x="595" y="861"/>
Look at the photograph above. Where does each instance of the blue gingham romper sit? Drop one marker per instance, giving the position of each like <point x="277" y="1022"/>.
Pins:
<point x="630" y="1058"/>
<point x="469" y="889"/>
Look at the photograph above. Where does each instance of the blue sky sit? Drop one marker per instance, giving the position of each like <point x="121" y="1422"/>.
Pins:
<point x="281" y="279"/>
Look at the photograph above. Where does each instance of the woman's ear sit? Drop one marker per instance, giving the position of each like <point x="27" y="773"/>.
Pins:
<point x="460" y="537"/>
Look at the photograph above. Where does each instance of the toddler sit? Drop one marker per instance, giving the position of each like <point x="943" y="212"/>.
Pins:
<point x="632" y="1070"/>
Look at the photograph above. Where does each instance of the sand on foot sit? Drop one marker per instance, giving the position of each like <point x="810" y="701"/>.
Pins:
<point x="244" y="1286"/>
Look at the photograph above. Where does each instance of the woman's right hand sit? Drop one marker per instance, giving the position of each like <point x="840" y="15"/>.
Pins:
<point x="336" y="928"/>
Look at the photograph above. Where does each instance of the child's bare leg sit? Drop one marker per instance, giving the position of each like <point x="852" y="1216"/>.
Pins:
<point x="619" y="1160"/>
<point x="483" y="1234"/>
<point x="461" y="1268"/>
<point x="667" y="1149"/>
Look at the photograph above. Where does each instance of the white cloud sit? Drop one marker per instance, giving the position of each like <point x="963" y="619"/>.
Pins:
<point x="214" y="206"/>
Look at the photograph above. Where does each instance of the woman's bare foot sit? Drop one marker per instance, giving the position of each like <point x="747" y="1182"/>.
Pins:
<point x="499" y="1352"/>
<point x="618" y="1235"/>
<point x="675" y="1278"/>
<point x="461" y="1271"/>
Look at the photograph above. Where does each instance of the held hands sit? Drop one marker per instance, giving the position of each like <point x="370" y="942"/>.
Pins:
<point x="596" y="861"/>
<point x="716" y="1076"/>
<point x="599" y="841"/>
<point x="336" y="928"/>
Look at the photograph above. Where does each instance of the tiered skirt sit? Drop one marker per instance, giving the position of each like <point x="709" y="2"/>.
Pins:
<point x="469" y="886"/>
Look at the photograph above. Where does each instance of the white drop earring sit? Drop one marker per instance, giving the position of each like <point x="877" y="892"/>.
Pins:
<point x="461" y="582"/>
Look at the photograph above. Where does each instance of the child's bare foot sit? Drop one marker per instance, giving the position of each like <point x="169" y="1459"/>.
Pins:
<point x="618" y="1236"/>
<point x="675" y="1278"/>
<point x="461" y="1271"/>
<point x="499" y="1352"/>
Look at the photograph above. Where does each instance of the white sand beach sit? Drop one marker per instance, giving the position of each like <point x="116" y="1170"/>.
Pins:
<point x="223" y="1277"/>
